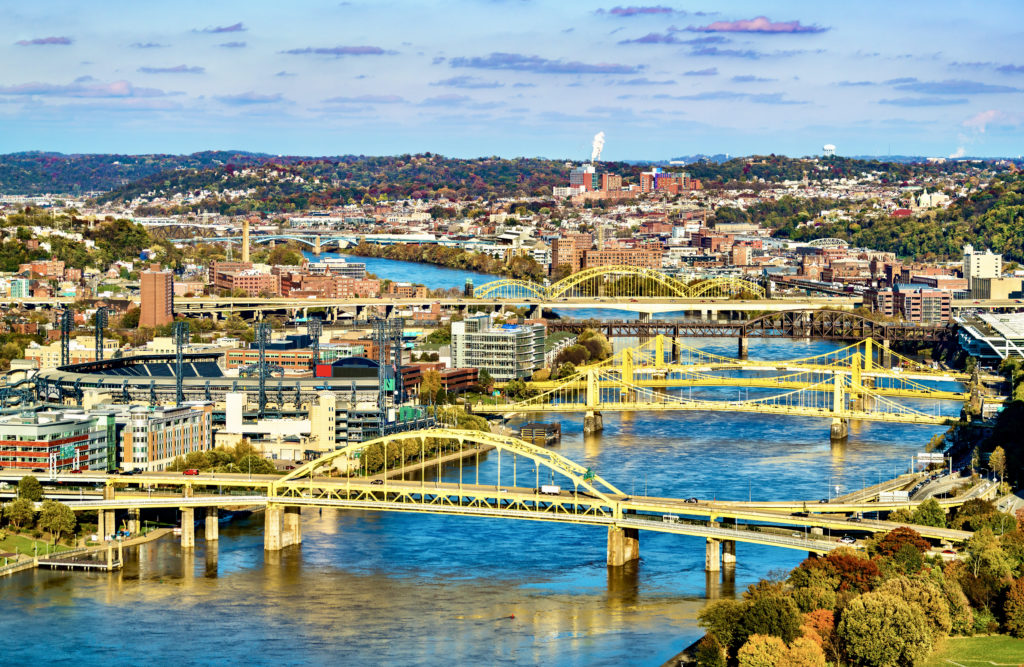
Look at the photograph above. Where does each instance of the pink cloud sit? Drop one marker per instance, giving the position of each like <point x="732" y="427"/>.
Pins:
<point x="114" y="89"/>
<point x="45" y="41"/>
<point x="761" y="24"/>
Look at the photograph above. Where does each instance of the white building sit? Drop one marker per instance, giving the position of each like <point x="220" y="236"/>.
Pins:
<point x="507" y="352"/>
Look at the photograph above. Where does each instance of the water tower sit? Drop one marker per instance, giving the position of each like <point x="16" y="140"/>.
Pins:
<point x="829" y="150"/>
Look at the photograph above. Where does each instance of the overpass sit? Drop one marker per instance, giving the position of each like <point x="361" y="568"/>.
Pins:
<point x="345" y="479"/>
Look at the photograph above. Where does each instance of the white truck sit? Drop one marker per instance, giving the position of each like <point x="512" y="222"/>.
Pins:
<point x="550" y="489"/>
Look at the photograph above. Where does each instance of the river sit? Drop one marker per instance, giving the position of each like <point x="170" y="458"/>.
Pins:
<point x="408" y="589"/>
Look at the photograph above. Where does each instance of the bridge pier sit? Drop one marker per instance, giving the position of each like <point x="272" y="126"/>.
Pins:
<point x="712" y="556"/>
<point x="728" y="553"/>
<point x="133" y="520"/>
<point x="188" y="528"/>
<point x="886" y="354"/>
<point x="282" y="527"/>
<point x="743" y="346"/>
<point x="623" y="546"/>
<point x="840" y="430"/>
<point x="593" y="422"/>
<point x="211" y="531"/>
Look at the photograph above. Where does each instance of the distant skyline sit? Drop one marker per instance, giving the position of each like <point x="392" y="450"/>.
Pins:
<point x="470" y="78"/>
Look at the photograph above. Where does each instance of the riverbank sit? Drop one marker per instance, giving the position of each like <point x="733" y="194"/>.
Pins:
<point x="520" y="267"/>
<point x="33" y="562"/>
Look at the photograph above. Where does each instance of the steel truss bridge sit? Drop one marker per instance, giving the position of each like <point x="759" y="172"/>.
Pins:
<point x="370" y="476"/>
<point x="667" y="363"/>
<point x="826" y="323"/>
<point x="841" y="385"/>
<point x="619" y="281"/>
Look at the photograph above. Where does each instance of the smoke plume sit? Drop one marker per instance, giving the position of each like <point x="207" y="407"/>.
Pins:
<point x="595" y="153"/>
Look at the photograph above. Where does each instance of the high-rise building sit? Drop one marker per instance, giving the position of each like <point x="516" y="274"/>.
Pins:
<point x="507" y="352"/>
<point x="60" y="440"/>
<point x="157" y="292"/>
<point x="980" y="265"/>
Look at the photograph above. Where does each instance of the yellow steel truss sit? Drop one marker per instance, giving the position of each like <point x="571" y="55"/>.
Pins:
<point x="619" y="281"/>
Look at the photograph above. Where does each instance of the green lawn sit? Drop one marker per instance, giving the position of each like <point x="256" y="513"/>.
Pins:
<point x="969" y="651"/>
<point x="20" y="544"/>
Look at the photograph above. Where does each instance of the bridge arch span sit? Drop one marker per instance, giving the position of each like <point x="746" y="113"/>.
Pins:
<point x="580" y="477"/>
<point x="509" y="288"/>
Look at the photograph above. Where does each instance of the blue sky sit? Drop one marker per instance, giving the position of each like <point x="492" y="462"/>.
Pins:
<point x="513" y="77"/>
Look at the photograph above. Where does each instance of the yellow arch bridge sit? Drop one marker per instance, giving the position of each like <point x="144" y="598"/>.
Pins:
<point x="403" y="473"/>
<point x="620" y="281"/>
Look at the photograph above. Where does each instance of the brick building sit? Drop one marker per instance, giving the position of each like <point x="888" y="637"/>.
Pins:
<point x="156" y="307"/>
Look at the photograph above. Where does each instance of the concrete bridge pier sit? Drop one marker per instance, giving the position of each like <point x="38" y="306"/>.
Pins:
<point x="211" y="531"/>
<point x="729" y="554"/>
<point x="840" y="430"/>
<point x="712" y="556"/>
<point x="533" y="312"/>
<point x="623" y="546"/>
<point x="886" y="354"/>
<point x="282" y="527"/>
<point x="188" y="528"/>
<point x="744" y="344"/>
<point x="593" y="422"/>
<point x="106" y="524"/>
<point x="133" y="520"/>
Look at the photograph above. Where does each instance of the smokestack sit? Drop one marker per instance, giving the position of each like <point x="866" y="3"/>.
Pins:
<point x="245" y="240"/>
<point x="598" y="146"/>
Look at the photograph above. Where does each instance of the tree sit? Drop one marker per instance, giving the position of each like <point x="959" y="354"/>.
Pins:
<point x="57" y="519"/>
<point x="930" y="513"/>
<point x="1013" y="608"/>
<point x="997" y="461"/>
<point x="926" y="596"/>
<point x="879" y="629"/>
<point x="29" y="488"/>
<point x="484" y="379"/>
<point x="255" y="464"/>
<point x="429" y="384"/>
<point x="568" y="369"/>
<point x="804" y="652"/>
<point x="20" y="512"/>
<point x="720" y="619"/>
<point x="773" y="614"/>
<point x="762" y="651"/>
<point x="975" y="457"/>
<point x="891" y="543"/>
<point x="709" y="653"/>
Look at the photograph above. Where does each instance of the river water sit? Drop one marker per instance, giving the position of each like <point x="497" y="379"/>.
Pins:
<point x="408" y="589"/>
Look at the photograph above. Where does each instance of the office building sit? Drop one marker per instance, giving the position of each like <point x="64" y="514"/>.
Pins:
<point x="979" y="266"/>
<point x="58" y="440"/>
<point x="507" y="352"/>
<point x="153" y="436"/>
<point x="157" y="298"/>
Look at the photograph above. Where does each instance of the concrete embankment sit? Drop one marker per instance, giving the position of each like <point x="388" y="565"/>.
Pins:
<point x="31" y="563"/>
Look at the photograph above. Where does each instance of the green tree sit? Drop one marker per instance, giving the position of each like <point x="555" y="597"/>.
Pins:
<point x="29" y="488"/>
<point x="878" y="629"/>
<point x="709" y="653"/>
<point x="926" y="596"/>
<point x="721" y="618"/>
<point x="57" y="519"/>
<point x="930" y="513"/>
<point x="21" y="513"/>
<point x="484" y="379"/>
<point x="568" y="369"/>
<point x="255" y="464"/>
<point x="762" y="651"/>
<point x="771" y="614"/>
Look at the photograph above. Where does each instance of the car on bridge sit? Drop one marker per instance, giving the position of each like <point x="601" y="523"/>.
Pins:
<point x="846" y="539"/>
<point x="190" y="471"/>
